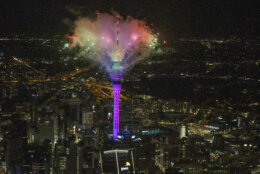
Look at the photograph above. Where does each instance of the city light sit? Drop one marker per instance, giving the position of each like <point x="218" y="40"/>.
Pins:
<point x="84" y="89"/>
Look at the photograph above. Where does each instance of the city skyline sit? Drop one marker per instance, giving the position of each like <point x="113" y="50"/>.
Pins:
<point x="186" y="75"/>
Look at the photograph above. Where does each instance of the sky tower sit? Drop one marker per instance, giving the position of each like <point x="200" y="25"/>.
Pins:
<point x="116" y="76"/>
<point x="100" y="41"/>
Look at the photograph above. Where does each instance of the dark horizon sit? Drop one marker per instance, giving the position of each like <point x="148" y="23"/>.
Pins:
<point x="174" y="19"/>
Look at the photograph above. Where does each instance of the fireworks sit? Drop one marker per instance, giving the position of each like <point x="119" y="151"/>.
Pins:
<point x="101" y="41"/>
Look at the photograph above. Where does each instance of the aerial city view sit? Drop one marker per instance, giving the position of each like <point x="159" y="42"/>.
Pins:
<point x="129" y="87"/>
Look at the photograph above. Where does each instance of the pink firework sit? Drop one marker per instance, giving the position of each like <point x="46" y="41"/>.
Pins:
<point x="111" y="38"/>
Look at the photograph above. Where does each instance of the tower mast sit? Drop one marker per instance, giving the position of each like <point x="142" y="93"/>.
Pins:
<point x="116" y="77"/>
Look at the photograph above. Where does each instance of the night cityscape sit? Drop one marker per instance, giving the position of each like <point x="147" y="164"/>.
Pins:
<point x="129" y="87"/>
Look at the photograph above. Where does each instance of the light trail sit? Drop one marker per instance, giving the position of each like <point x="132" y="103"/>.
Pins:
<point x="25" y="63"/>
<point x="54" y="78"/>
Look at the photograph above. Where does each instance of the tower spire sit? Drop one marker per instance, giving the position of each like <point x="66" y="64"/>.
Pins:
<point x="117" y="30"/>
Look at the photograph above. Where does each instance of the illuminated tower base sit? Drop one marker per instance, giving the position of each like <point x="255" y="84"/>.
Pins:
<point x="116" y="93"/>
<point x="116" y="79"/>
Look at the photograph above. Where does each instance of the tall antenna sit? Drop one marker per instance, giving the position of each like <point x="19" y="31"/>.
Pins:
<point x="117" y="30"/>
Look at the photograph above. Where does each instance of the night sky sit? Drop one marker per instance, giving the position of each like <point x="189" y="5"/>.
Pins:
<point x="172" y="18"/>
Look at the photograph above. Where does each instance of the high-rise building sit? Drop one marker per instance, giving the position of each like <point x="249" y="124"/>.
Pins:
<point x="73" y="110"/>
<point x="118" y="161"/>
<point x="87" y="118"/>
<point x="182" y="131"/>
